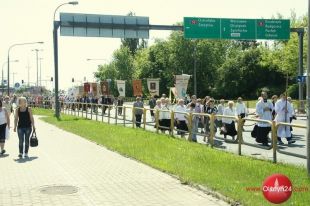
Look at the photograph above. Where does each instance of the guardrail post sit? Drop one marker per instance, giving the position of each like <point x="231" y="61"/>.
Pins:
<point x="91" y="111"/>
<point x="82" y="109"/>
<point x="212" y="129"/>
<point x="133" y="117"/>
<point x="144" y="118"/>
<point x="124" y="115"/>
<point x="190" y="122"/>
<point x="97" y="107"/>
<point x="116" y="117"/>
<point x="109" y="114"/>
<point x="102" y="114"/>
<point x="86" y="110"/>
<point x="171" y="123"/>
<point x="157" y="120"/>
<point x="274" y="140"/>
<point x="239" y="134"/>
<point x="75" y="109"/>
<point x="78" y="109"/>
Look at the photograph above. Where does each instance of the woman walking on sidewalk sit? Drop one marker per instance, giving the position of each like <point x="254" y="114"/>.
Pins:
<point x="4" y="122"/>
<point x="23" y="122"/>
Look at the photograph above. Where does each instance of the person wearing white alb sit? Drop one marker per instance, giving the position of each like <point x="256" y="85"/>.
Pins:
<point x="292" y="114"/>
<point x="241" y="109"/>
<point x="264" y="110"/>
<point x="283" y="109"/>
<point x="4" y="123"/>
<point x="179" y="114"/>
<point x="229" y="124"/>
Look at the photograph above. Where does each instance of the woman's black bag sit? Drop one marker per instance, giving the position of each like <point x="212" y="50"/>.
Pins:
<point x="34" y="142"/>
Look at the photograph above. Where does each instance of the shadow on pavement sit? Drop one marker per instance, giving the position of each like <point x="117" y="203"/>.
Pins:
<point x="219" y="144"/>
<point x="4" y="155"/>
<point x="24" y="160"/>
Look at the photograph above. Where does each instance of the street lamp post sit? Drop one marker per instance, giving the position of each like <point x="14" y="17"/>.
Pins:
<point x="37" y="60"/>
<point x="21" y="44"/>
<point x="56" y="25"/>
<point x="195" y="69"/>
<point x="2" y="84"/>
<point x="308" y="94"/>
<point x="40" y="59"/>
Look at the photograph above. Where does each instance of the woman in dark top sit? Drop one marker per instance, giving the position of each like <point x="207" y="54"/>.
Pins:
<point x="24" y="123"/>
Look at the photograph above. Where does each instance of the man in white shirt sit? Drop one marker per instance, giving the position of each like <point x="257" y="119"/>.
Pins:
<point x="283" y="109"/>
<point x="264" y="110"/>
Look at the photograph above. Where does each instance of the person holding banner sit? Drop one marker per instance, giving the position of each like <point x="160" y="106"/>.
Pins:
<point x="138" y="105"/>
<point x="283" y="110"/>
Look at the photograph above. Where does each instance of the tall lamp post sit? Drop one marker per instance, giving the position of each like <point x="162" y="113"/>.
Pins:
<point x="37" y="60"/>
<point x="56" y="25"/>
<point x="308" y="94"/>
<point x="40" y="60"/>
<point x="12" y="46"/>
<point x="2" y="84"/>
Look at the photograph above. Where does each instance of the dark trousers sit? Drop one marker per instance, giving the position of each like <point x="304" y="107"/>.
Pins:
<point x="24" y="136"/>
<point x="120" y="110"/>
<point x="138" y="120"/>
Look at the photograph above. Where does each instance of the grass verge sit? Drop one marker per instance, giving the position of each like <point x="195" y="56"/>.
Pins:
<point x="226" y="173"/>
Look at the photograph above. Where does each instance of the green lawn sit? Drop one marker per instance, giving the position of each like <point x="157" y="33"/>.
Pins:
<point x="193" y="163"/>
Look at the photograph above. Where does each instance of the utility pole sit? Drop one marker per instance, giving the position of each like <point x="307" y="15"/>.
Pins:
<point x="28" y="68"/>
<point x="40" y="71"/>
<point x="308" y="95"/>
<point x="37" y="59"/>
<point x="195" y="69"/>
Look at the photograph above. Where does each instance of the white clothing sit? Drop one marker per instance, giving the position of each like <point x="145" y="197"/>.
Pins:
<point x="2" y="116"/>
<point x="241" y="108"/>
<point x="164" y="112"/>
<point x="292" y="114"/>
<point x="264" y="115"/>
<point x="7" y="106"/>
<point x="220" y="109"/>
<point x="180" y="116"/>
<point x="228" y="112"/>
<point x="283" y="109"/>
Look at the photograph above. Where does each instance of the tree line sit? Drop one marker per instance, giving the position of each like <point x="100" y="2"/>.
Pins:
<point x="225" y="68"/>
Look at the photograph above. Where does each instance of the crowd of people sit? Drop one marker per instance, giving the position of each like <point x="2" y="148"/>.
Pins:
<point x="193" y="113"/>
<point x="279" y="110"/>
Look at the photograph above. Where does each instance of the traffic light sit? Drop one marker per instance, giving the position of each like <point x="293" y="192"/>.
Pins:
<point x="72" y="79"/>
<point x="22" y="81"/>
<point x="52" y="79"/>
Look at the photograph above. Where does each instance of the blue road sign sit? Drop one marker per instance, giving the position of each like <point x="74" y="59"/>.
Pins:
<point x="17" y="85"/>
<point x="301" y="79"/>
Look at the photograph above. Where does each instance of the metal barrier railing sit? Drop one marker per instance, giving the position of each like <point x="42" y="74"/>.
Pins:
<point x="88" y="110"/>
<point x="290" y="125"/>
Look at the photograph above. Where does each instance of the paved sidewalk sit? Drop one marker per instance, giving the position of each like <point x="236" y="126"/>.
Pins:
<point x="101" y="177"/>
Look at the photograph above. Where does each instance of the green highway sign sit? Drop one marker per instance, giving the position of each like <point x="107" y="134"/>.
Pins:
<point x="239" y="29"/>
<point x="199" y="28"/>
<point x="273" y="29"/>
